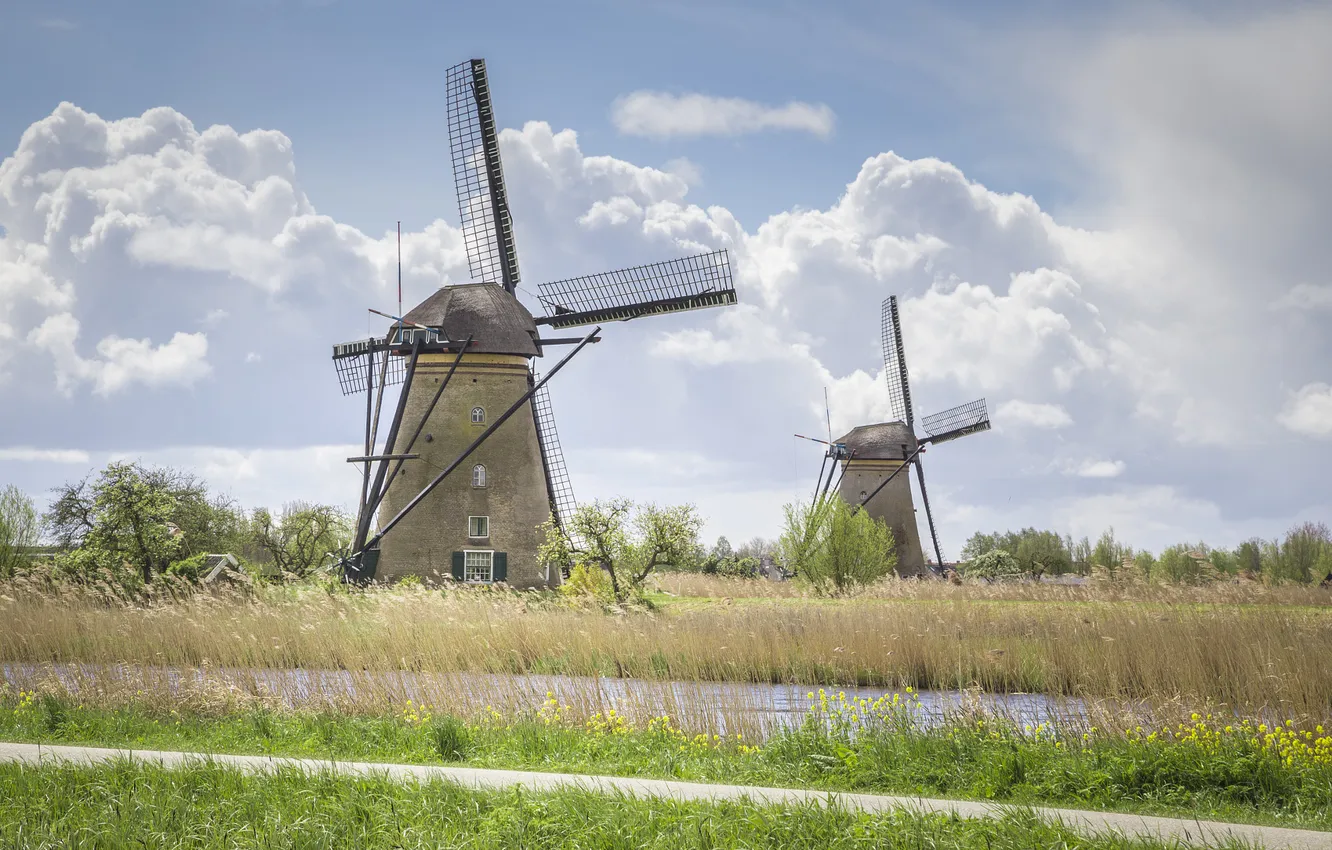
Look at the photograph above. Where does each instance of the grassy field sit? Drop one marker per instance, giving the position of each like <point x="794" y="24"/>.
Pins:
<point x="210" y="807"/>
<point x="1199" y="769"/>
<point x="1250" y="650"/>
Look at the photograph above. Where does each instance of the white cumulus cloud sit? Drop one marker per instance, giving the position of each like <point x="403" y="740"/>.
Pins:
<point x="1306" y="296"/>
<point x="1099" y="469"/>
<point x="120" y="362"/>
<point x="660" y="115"/>
<point x="1309" y="411"/>
<point x="127" y="231"/>
<point x="31" y="455"/>
<point x="1031" y="414"/>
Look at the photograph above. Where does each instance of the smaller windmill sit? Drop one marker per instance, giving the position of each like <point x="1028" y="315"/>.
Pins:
<point x="867" y="460"/>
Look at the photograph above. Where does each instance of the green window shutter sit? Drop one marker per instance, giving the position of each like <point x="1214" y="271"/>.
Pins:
<point x="501" y="563"/>
<point x="458" y="565"/>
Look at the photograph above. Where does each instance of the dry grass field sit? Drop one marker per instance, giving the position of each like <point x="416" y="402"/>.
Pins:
<point x="1250" y="650"/>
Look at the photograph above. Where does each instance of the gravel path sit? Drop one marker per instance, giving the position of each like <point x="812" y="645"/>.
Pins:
<point x="1201" y="833"/>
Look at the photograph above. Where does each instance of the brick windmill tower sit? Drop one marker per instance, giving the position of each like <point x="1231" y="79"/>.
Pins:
<point x="471" y="463"/>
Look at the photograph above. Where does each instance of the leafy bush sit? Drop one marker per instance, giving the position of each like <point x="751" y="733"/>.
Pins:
<point x="836" y="547"/>
<point x="18" y="530"/>
<point x="1037" y="552"/>
<point x="623" y="540"/>
<point x="588" y="581"/>
<point x="297" y="541"/>
<point x="451" y="738"/>
<point x="995" y="564"/>
<point x="190" y="569"/>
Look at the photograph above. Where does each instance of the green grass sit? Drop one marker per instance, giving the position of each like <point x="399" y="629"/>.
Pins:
<point x="1224" y="780"/>
<point x="206" y="806"/>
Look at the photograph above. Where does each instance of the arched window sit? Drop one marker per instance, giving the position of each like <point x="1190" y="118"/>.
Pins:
<point x="478" y="415"/>
<point x="478" y="476"/>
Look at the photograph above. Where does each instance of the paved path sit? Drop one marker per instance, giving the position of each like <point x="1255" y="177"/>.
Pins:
<point x="1188" y="831"/>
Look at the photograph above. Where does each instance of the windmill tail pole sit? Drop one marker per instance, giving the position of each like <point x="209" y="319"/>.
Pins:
<point x="819" y="482"/>
<point x="376" y="488"/>
<point x="827" y="484"/>
<point x="842" y="473"/>
<point x="388" y="526"/>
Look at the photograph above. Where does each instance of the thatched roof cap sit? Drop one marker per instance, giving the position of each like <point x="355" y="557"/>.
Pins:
<point x="883" y="441"/>
<point x="500" y="323"/>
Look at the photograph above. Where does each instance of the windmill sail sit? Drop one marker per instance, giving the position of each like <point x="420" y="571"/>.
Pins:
<point x="955" y="422"/>
<point x="672" y="286"/>
<point x="894" y="363"/>
<point x="353" y="361"/>
<point x="482" y="202"/>
<point x="562" y="503"/>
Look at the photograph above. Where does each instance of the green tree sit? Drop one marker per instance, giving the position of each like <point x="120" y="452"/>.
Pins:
<point x="1036" y="552"/>
<point x="1147" y="566"/>
<point x="1303" y="551"/>
<point x="18" y="530"/>
<point x="121" y="521"/>
<point x="994" y="564"/>
<point x="624" y="540"/>
<point x="1081" y="554"/>
<point x="1109" y="552"/>
<point x="834" y="546"/>
<point x="1249" y="556"/>
<point x="137" y="520"/>
<point x="1226" y="562"/>
<point x="1179" y="565"/>
<point x="980" y="543"/>
<point x="297" y="541"/>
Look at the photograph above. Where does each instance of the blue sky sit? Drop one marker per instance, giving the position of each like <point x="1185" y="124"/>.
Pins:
<point x="1111" y="218"/>
<point x="353" y="84"/>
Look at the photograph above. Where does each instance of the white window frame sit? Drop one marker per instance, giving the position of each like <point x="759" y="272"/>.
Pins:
<point x="485" y="527"/>
<point x="482" y="419"/>
<point x="479" y="481"/>
<point x="489" y="566"/>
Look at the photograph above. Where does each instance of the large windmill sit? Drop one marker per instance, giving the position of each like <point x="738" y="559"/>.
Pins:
<point x="470" y="462"/>
<point x="869" y="459"/>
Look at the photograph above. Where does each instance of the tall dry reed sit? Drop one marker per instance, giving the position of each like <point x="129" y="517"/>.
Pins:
<point x="691" y="584"/>
<point x="1257" y="657"/>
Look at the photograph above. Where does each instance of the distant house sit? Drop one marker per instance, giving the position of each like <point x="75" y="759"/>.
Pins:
<point x="222" y="568"/>
<point x="769" y="569"/>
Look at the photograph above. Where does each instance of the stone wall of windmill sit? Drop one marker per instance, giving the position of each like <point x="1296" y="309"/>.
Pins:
<point x="877" y="451"/>
<point x="502" y="481"/>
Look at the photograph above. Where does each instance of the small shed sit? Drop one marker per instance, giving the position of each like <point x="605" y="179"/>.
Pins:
<point x="223" y="567"/>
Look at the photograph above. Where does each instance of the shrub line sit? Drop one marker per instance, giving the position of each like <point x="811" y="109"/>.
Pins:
<point x="1129" y="825"/>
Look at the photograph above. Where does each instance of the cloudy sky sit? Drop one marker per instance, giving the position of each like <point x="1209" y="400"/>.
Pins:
<point x="1113" y="225"/>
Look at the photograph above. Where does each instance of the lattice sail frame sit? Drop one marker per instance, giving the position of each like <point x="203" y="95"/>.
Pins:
<point x="955" y="422"/>
<point x="670" y="286"/>
<point x="894" y="362"/>
<point x="478" y="176"/>
<point x="352" y="360"/>
<point x="563" y="503"/>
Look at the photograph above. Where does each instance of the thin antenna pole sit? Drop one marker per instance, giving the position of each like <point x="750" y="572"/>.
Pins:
<point x="399" y="268"/>
<point x="828" y="411"/>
